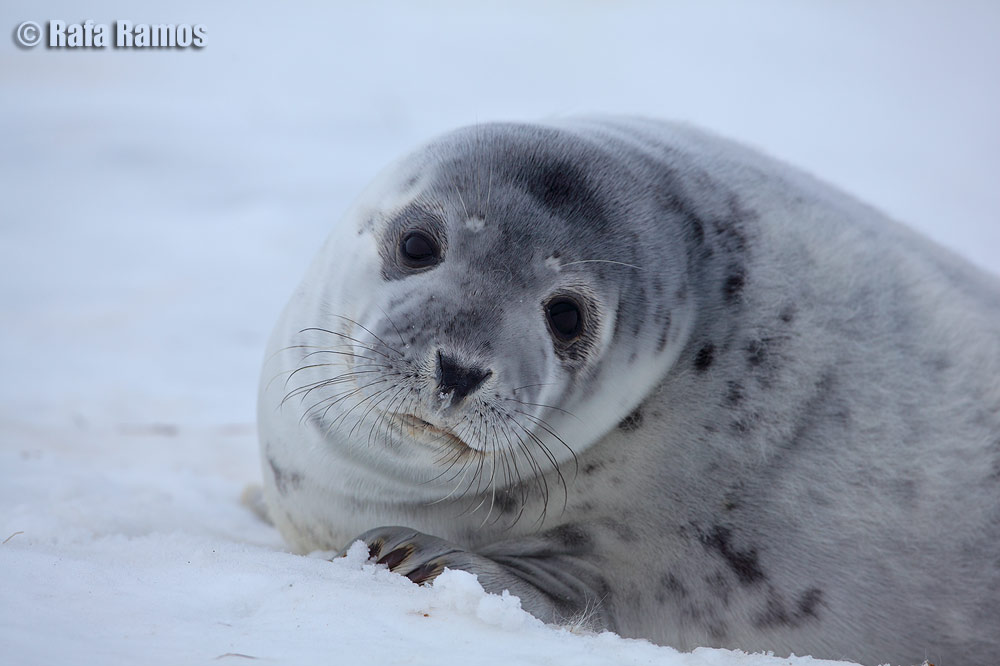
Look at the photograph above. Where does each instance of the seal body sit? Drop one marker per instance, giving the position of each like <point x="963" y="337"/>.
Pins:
<point x="645" y="376"/>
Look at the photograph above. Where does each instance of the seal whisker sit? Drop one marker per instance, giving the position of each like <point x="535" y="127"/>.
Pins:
<point x="303" y="368"/>
<point x="512" y="477"/>
<point x="393" y="324"/>
<point x="340" y="353"/>
<point x="374" y="403"/>
<point x="543" y="405"/>
<point x="480" y="462"/>
<point x="399" y="354"/>
<point x="302" y="392"/>
<point x="290" y="373"/>
<point x="538" y="475"/>
<point x="545" y="426"/>
<point x="338" y="398"/>
<point x="491" y="485"/>
<point x="489" y="191"/>
<point x="371" y="333"/>
<point x="602" y="261"/>
<point x="458" y="193"/>
<point x="548" y="454"/>
<point x="530" y="386"/>
<point x="386" y="415"/>
<point x="342" y="419"/>
<point x="451" y="455"/>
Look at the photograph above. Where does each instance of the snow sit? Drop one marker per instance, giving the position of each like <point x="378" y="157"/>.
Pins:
<point x="159" y="208"/>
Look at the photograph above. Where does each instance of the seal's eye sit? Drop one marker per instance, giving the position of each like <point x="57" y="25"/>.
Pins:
<point x="565" y="318"/>
<point x="418" y="250"/>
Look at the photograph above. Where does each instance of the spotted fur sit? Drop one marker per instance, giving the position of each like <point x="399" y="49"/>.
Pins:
<point x="777" y="429"/>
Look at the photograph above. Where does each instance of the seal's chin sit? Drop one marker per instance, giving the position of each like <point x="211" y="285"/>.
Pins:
<point x="426" y="432"/>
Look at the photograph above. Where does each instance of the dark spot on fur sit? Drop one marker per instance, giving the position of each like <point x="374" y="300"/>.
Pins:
<point x="756" y="352"/>
<point x="776" y="612"/>
<point x="743" y="563"/>
<point x="718" y="630"/>
<point x="734" y="393"/>
<point x="572" y="538"/>
<point x="619" y="321"/>
<point x="733" y="286"/>
<point x="696" y="230"/>
<point x="564" y="190"/>
<point x="703" y="360"/>
<point x="664" y="334"/>
<point x="590" y="468"/>
<point x="809" y="602"/>
<point x="719" y="585"/>
<point x="283" y="479"/>
<point x="669" y="587"/>
<point x="938" y="363"/>
<point x="743" y="425"/>
<point x="506" y="501"/>
<point x="375" y="548"/>
<point x="995" y="476"/>
<point x="729" y="232"/>
<point x="787" y="314"/>
<point x="820" y="401"/>
<point x="622" y="530"/>
<point x="632" y="422"/>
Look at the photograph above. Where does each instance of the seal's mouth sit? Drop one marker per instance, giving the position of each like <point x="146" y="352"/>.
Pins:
<point x="418" y="428"/>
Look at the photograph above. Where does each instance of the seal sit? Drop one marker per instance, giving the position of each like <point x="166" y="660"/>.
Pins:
<point x="650" y="378"/>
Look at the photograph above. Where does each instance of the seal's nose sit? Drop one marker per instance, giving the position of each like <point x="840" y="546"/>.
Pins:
<point x="457" y="379"/>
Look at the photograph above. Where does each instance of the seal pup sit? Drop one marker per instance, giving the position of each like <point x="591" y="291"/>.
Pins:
<point x="637" y="373"/>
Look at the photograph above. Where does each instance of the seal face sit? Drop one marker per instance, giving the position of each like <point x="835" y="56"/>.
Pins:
<point x="636" y="373"/>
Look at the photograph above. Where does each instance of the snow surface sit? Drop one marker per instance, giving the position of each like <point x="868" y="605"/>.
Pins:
<point x="159" y="207"/>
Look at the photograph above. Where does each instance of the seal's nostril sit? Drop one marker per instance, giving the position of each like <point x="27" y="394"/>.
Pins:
<point x="458" y="380"/>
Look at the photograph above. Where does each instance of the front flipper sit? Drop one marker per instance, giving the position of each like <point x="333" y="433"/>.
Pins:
<point x="550" y="572"/>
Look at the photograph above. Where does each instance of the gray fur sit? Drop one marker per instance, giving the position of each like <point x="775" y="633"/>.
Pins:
<point x="780" y="429"/>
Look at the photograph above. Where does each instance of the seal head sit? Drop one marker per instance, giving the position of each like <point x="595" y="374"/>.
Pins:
<point x="484" y="293"/>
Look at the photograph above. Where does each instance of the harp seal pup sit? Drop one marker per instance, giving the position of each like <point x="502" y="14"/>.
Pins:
<point x="639" y="374"/>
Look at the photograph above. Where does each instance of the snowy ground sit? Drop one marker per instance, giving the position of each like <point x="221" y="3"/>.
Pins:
<point x="158" y="208"/>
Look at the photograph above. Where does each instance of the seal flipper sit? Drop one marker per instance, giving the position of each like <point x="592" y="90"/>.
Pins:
<point x="547" y="572"/>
